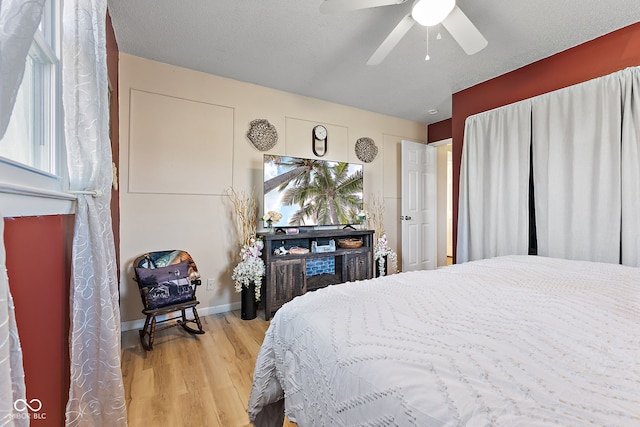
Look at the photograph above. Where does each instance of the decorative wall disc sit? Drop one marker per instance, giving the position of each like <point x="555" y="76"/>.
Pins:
<point x="366" y="149"/>
<point x="262" y="134"/>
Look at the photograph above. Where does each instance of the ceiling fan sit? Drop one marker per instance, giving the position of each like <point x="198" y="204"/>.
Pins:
<point x="424" y="12"/>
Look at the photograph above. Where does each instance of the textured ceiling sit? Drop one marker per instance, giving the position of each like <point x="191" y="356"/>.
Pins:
<point x="289" y="45"/>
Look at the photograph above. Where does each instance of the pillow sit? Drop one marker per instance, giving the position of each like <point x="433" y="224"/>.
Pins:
<point x="165" y="286"/>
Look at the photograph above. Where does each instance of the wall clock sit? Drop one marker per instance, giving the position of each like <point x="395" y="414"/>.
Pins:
<point x="319" y="139"/>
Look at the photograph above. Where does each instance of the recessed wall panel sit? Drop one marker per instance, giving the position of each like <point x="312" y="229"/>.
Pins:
<point x="178" y="146"/>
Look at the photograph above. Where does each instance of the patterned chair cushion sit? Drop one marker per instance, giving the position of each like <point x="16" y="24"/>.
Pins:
<point x="166" y="285"/>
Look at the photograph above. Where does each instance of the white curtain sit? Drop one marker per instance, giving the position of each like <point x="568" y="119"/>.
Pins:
<point x="576" y="162"/>
<point x="493" y="214"/>
<point x="96" y="395"/>
<point x="630" y="80"/>
<point x="12" y="385"/>
<point x="18" y="22"/>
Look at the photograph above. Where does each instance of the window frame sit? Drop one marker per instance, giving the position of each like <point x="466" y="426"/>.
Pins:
<point x="26" y="190"/>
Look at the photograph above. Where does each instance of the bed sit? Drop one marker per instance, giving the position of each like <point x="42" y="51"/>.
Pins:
<point x="516" y="340"/>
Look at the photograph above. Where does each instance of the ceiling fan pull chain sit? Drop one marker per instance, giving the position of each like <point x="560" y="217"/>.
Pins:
<point x="427" y="57"/>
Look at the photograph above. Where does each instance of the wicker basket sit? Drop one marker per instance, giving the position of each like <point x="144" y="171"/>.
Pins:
<point x="349" y="243"/>
<point x="296" y="250"/>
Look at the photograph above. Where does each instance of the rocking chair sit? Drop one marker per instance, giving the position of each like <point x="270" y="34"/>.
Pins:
<point x="167" y="281"/>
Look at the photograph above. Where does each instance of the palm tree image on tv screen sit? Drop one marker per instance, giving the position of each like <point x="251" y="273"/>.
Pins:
<point x="310" y="192"/>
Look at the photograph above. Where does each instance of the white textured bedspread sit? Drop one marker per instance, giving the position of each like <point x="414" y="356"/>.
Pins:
<point x="510" y="341"/>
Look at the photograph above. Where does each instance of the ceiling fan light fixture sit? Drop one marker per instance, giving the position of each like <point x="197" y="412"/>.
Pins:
<point x="432" y="12"/>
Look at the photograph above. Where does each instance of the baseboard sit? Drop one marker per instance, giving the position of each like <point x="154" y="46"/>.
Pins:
<point x="204" y="311"/>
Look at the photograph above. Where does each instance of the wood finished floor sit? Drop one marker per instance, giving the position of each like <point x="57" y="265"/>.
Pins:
<point x="193" y="380"/>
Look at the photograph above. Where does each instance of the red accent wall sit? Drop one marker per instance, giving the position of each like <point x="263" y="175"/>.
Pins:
<point x="599" y="57"/>
<point x="439" y="131"/>
<point x="39" y="270"/>
<point x="112" y="70"/>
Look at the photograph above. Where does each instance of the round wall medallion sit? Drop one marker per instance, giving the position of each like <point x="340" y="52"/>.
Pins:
<point x="366" y="149"/>
<point x="262" y="134"/>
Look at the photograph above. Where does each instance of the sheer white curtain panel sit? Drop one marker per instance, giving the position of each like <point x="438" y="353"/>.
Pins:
<point x="493" y="215"/>
<point x="630" y="80"/>
<point x="18" y="22"/>
<point x="96" y="394"/>
<point x="576" y="169"/>
<point x="12" y="386"/>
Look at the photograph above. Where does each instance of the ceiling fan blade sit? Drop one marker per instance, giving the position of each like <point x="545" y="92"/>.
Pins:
<point x="464" y="32"/>
<point x="392" y="40"/>
<point x="336" y="6"/>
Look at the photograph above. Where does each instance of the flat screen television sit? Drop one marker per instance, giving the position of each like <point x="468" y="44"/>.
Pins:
<point x="312" y="192"/>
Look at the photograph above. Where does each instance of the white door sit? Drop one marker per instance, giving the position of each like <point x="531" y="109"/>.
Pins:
<point x="419" y="202"/>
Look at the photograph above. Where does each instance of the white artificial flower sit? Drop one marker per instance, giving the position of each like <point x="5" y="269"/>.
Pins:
<point x="382" y="250"/>
<point x="251" y="268"/>
<point x="272" y="216"/>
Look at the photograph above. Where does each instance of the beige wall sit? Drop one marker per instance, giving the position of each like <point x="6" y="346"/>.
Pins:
<point x="183" y="143"/>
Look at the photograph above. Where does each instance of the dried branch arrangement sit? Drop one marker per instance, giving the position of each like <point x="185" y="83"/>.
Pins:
<point x="376" y="216"/>
<point x="382" y="251"/>
<point x="246" y="210"/>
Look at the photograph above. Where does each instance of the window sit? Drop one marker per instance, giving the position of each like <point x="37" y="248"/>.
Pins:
<point x="32" y="165"/>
